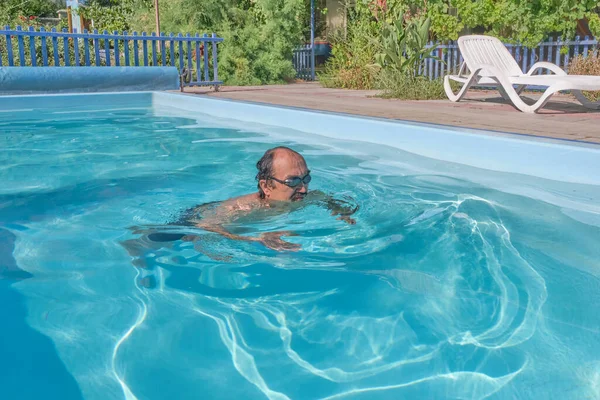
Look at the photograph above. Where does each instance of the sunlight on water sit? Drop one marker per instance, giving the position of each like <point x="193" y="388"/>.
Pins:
<point x="452" y="284"/>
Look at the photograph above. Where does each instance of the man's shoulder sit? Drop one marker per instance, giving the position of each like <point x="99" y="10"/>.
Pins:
<point x="244" y="202"/>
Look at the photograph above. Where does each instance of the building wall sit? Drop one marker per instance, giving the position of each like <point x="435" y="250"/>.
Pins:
<point x="335" y="15"/>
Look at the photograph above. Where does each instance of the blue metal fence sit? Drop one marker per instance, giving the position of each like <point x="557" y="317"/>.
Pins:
<point x="195" y="57"/>
<point x="549" y="50"/>
<point x="303" y="64"/>
<point x="451" y="58"/>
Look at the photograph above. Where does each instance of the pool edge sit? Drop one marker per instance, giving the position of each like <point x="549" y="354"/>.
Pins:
<point x="548" y="158"/>
<point x="433" y="125"/>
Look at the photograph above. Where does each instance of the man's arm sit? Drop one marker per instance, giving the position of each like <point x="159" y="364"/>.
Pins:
<point x="271" y="240"/>
<point x="337" y="207"/>
<point x="216" y="221"/>
<point x="217" y="227"/>
<point x="213" y="217"/>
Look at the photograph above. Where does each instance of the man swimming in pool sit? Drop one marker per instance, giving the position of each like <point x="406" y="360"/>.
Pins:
<point x="283" y="178"/>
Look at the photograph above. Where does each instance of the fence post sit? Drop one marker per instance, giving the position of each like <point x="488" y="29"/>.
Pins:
<point x="215" y="62"/>
<point x="566" y="64"/>
<point x="455" y="57"/>
<point x="86" y="49"/>
<point x="198" y="55"/>
<point x="117" y="52"/>
<point x="312" y="39"/>
<point x="106" y="48"/>
<point x="577" y="42"/>
<point x="145" y="48"/>
<point x="541" y="55"/>
<point x="11" y="59"/>
<point x="189" y="53"/>
<point x="136" y="50"/>
<point x="430" y="63"/>
<point x="172" y="47"/>
<point x="557" y="57"/>
<point x="154" y="59"/>
<point x="552" y="49"/>
<point x="96" y="48"/>
<point x="126" y="48"/>
<point x="66" y="49"/>
<point x="205" y="46"/>
<point x="44" y="48"/>
<point x="180" y="68"/>
<point x="76" y="51"/>
<point x="532" y="57"/>
<point x="436" y="65"/>
<point x="163" y="51"/>
<point x="21" y="49"/>
<point x="32" y="47"/>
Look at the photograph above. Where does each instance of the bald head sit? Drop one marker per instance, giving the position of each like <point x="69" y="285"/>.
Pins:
<point x="282" y="151"/>
<point x="284" y="159"/>
<point x="277" y="162"/>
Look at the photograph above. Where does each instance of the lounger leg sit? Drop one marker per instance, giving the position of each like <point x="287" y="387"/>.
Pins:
<point x="503" y="93"/>
<point x="535" y="107"/>
<point x="585" y="102"/>
<point x="510" y="91"/>
<point x="456" y="97"/>
<point x="519" y="89"/>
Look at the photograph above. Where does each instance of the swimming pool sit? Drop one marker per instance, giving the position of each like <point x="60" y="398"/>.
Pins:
<point x="473" y="270"/>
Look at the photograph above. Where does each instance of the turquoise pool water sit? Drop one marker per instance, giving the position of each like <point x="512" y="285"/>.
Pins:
<point x="450" y="286"/>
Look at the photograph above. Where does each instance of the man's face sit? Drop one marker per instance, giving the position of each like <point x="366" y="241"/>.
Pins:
<point x="286" y="166"/>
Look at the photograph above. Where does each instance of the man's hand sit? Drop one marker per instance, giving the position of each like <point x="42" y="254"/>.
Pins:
<point x="342" y="217"/>
<point x="273" y="241"/>
<point x="341" y="208"/>
<point x="347" y="219"/>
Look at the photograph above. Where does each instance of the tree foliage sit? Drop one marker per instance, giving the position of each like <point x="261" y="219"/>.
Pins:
<point x="525" y="21"/>
<point x="12" y="10"/>
<point x="260" y="35"/>
<point x="115" y="15"/>
<point x="378" y="33"/>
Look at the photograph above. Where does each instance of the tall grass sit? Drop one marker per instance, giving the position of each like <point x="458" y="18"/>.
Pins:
<point x="589" y="65"/>
<point x="408" y="87"/>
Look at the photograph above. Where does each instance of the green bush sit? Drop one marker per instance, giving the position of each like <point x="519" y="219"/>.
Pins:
<point x="382" y="52"/>
<point x="403" y="44"/>
<point x="408" y="87"/>
<point x="352" y="61"/>
<point x="351" y="66"/>
<point x="25" y="23"/>
<point x="258" y="43"/>
<point x="19" y="12"/>
<point x="259" y="35"/>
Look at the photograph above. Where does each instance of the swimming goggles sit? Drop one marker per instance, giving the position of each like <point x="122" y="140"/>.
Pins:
<point x="294" y="181"/>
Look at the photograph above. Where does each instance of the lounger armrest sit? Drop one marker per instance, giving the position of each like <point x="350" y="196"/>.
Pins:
<point x="545" y="65"/>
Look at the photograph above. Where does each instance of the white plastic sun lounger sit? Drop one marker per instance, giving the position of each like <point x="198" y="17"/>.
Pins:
<point x="491" y="64"/>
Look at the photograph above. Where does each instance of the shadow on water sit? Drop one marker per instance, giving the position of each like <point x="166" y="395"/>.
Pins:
<point x="73" y="199"/>
<point x="30" y="367"/>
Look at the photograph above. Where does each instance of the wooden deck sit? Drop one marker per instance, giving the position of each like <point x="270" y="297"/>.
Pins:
<point x="562" y="117"/>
